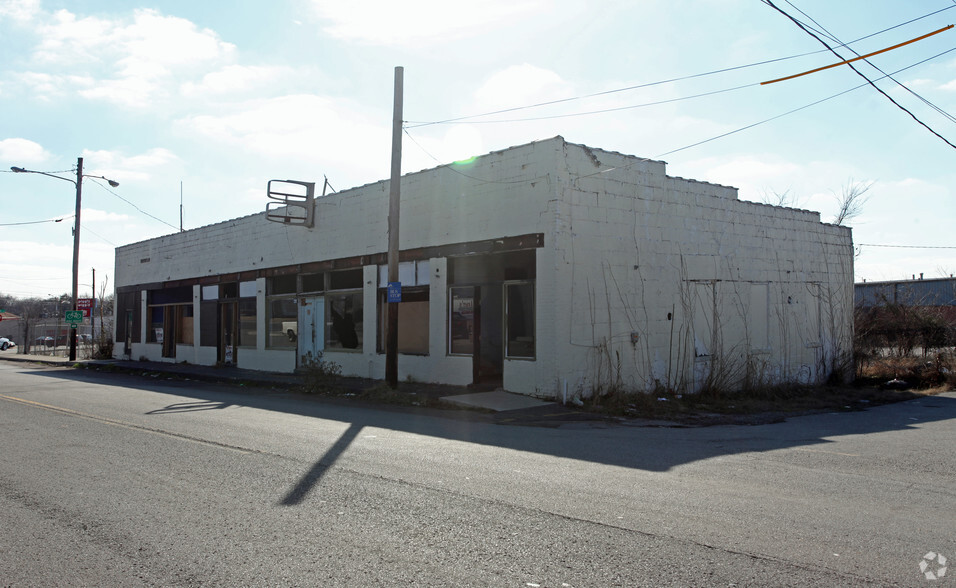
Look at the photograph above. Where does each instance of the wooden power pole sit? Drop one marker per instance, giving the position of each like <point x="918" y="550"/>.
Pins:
<point x="394" y="197"/>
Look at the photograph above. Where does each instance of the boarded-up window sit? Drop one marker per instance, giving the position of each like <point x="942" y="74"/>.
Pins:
<point x="758" y="320"/>
<point x="208" y="323"/>
<point x="184" y="324"/>
<point x="703" y="319"/>
<point x="810" y="330"/>
<point x="413" y="313"/>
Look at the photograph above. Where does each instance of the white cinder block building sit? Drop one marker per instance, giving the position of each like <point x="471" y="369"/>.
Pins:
<point x="550" y="269"/>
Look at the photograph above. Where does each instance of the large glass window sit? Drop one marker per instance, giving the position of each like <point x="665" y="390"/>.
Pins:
<point x="313" y="282"/>
<point x="345" y="279"/>
<point x="281" y="285"/>
<point x="519" y="313"/>
<point x="343" y="320"/>
<point x="156" y="314"/>
<point x="461" y="320"/>
<point x="229" y="290"/>
<point x="247" y="322"/>
<point x="128" y="313"/>
<point x="282" y="312"/>
<point x="282" y="319"/>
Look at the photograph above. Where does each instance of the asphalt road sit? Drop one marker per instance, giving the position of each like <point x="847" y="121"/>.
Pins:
<point x="118" y="480"/>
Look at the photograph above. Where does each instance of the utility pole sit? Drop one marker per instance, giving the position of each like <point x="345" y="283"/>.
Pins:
<point x="93" y="311"/>
<point x="76" y="250"/>
<point x="394" y="197"/>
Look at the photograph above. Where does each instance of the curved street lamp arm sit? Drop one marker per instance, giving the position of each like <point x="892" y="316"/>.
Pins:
<point x="21" y="170"/>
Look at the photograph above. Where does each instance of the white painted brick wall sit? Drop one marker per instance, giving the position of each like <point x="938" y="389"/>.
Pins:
<point x="622" y="240"/>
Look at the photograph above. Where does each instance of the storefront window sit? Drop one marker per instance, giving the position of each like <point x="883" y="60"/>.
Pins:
<point x="281" y="285"/>
<point x="519" y="313"/>
<point x="156" y="314"/>
<point x="282" y="322"/>
<point x="461" y="320"/>
<point x="343" y="320"/>
<point x="247" y="322"/>
<point x="313" y="282"/>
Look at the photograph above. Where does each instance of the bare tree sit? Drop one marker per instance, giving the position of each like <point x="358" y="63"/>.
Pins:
<point x="786" y="198"/>
<point x="31" y="309"/>
<point x="851" y="201"/>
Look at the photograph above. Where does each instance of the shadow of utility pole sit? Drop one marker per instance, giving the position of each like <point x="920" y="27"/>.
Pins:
<point x="305" y="484"/>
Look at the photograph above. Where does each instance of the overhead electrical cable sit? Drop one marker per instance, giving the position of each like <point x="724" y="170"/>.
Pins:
<point x="615" y="109"/>
<point x="907" y="246"/>
<point x="417" y="124"/>
<point x="877" y="68"/>
<point x="134" y="206"/>
<point x="750" y="126"/>
<point x="97" y="235"/>
<point x="859" y="73"/>
<point x="49" y="220"/>
<point x="848" y="61"/>
<point x="450" y="167"/>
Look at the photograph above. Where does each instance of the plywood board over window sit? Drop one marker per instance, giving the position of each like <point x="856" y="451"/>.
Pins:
<point x="413" y="320"/>
<point x="703" y="318"/>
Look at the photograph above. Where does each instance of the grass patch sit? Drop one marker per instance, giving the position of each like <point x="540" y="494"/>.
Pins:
<point x="780" y="401"/>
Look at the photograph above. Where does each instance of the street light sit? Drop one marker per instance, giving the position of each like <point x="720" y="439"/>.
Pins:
<point x="76" y="230"/>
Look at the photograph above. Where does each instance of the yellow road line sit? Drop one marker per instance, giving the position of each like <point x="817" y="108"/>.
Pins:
<point x="125" y="424"/>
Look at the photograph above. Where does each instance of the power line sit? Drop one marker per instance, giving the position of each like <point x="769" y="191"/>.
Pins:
<point x="134" y="206"/>
<point x="98" y="235"/>
<point x="416" y="124"/>
<point x="858" y="72"/>
<point x="906" y="246"/>
<point x="616" y="109"/>
<point x="877" y="68"/>
<point x="750" y="126"/>
<point x="803" y="107"/>
<point x="49" y="220"/>
<point x="859" y="57"/>
<point x="450" y="168"/>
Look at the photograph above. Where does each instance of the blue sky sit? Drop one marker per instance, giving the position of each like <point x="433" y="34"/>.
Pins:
<point x="220" y="97"/>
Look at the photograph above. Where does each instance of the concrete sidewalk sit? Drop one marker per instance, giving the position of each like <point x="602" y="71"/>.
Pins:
<point x="495" y="401"/>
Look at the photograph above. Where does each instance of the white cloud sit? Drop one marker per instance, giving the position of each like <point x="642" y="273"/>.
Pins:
<point x="752" y="170"/>
<point x="301" y="128"/>
<point x="129" y="62"/>
<point x="236" y="78"/>
<point x="131" y="92"/>
<point x="418" y="22"/>
<point x="22" y="151"/>
<point x="120" y="167"/>
<point x="949" y="86"/>
<point x="93" y="215"/>
<point x="522" y="84"/>
<point x="20" y="10"/>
